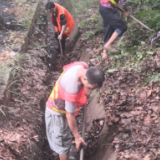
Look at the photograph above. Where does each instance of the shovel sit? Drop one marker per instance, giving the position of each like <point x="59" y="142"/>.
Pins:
<point x="83" y="132"/>
<point x="157" y="35"/>
<point x="135" y="19"/>
<point x="60" y="44"/>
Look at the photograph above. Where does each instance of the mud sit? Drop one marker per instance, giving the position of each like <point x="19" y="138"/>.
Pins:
<point x="22" y="127"/>
<point x="10" y="21"/>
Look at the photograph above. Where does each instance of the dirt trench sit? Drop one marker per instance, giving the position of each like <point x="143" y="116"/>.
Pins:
<point x="22" y="130"/>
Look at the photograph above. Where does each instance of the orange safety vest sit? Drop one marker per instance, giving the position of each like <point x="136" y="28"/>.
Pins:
<point x="70" y="21"/>
<point x="59" y="93"/>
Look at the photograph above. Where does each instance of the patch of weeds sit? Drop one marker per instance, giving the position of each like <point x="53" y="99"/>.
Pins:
<point x="25" y="23"/>
<point x="23" y="1"/>
<point x="130" y="57"/>
<point x="153" y="78"/>
<point x="2" y="70"/>
<point x="97" y="95"/>
<point x="82" y="24"/>
<point x="89" y="34"/>
<point x="20" y="57"/>
<point x="81" y="5"/>
<point x="109" y="91"/>
<point x="25" y="14"/>
<point x="111" y="70"/>
<point x="92" y="24"/>
<point x="38" y="46"/>
<point x="2" y="111"/>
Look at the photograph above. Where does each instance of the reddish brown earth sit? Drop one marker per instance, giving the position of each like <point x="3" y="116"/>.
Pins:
<point x="131" y="106"/>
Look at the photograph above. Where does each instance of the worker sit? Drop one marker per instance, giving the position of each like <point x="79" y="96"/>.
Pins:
<point x="62" y="20"/>
<point x="68" y="95"/>
<point x="114" y="26"/>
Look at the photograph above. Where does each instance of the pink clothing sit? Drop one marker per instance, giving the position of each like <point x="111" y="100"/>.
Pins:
<point x="110" y="5"/>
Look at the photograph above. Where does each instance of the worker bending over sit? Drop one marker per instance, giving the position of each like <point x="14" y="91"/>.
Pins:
<point x="64" y="102"/>
<point x="62" y="20"/>
<point x="114" y="26"/>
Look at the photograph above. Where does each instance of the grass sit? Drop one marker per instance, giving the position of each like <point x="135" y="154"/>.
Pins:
<point x="2" y="111"/>
<point x="88" y="15"/>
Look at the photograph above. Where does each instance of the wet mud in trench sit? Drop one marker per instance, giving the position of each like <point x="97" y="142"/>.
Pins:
<point x="22" y="128"/>
<point x="9" y="22"/>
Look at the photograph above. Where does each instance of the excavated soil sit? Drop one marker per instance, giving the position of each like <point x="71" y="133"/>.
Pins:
<point x="130" y="101"/>
<point x="22" y="128"/>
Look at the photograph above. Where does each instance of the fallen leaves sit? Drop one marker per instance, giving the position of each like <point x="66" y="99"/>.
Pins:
<point x="149" y="92"/>
<point x="136" y="108"/>
<point x="147" y="157"/>
<point x="5" y="55"/>
<point x="35" y="138"/>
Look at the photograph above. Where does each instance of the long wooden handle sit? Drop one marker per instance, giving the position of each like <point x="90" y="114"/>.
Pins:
<point x="60" y="44"/>
<point x="135" y="19"/>
<point x="83" y="132"/>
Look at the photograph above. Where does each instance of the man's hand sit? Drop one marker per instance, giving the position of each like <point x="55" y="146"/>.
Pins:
<point x="60" y="37"/>
<point x="79" y="141"/>
<point x="126" y="14"/>
<point x="126" y="11"/>
<point x="73" y="126"/>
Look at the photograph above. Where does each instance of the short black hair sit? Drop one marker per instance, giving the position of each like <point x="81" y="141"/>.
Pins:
<point x="50" y="5"/>
<point x="95" y="76"/>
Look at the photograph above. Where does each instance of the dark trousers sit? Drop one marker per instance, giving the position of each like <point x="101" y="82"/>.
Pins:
<point x="111" y="22"/>
<point x="63" y="41"/>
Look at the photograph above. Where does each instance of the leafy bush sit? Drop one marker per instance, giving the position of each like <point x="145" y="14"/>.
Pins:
<point x="149" y="12"/>
<point x="151" y="17"/>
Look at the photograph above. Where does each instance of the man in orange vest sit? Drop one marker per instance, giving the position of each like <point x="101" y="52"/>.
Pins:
<point x="64" y="102"/>
<point x="62" y="20"/>
<point x="114" y="26"/>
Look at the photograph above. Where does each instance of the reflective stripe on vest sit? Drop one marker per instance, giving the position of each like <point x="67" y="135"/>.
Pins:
<point x="112" y="1"/>
<point x="66" y="30"/>
<point x="62" y="111"/>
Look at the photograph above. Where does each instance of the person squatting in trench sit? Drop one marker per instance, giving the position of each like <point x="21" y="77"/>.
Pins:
<point x="62" y="20"/>
<point x="68" y="95"/>
<point x="114" y="26"/>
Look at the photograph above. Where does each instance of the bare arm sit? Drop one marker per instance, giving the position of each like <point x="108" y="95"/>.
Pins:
<point x="73" y="126"/>
<point x="124" y="5"/>
<point x="62" y="30"/>
<point x="126" y="12"/>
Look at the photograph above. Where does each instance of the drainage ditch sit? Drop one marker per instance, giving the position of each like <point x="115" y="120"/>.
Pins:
<point x="23" y="129"/>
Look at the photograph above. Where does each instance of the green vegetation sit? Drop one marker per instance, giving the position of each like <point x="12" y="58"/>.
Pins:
<point x="148" y="12"/>
<point x="90" y="23"/>
<point x="23" y="1"/>
<point x="134" y="46"/>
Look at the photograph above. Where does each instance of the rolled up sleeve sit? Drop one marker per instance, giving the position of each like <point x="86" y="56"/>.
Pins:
<point x="70" y="107"/>
<point x="63" y="19"/>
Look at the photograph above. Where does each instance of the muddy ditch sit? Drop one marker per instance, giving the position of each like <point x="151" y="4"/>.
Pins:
<point x="123" y="114"/>
<point x="8" y="21"/>
<point x="22" y="128"/>
<point x="17" y="17"/>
